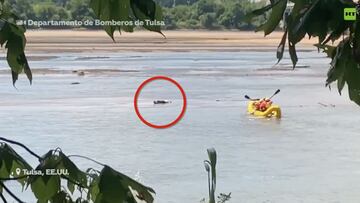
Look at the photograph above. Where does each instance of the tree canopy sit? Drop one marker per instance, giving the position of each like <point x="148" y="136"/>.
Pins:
<point x="211" y="14"/>
<point x="323" y="19"/>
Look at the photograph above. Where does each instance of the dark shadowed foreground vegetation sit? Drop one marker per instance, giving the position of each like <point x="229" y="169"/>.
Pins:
<point x="325" y="21"/>
<point x="57" y="179"/>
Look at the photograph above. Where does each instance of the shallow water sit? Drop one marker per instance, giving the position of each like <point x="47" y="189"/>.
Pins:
<point x="310" y="155"/>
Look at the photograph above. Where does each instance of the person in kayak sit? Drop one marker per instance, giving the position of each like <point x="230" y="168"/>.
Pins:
<point x="263" y="104"/>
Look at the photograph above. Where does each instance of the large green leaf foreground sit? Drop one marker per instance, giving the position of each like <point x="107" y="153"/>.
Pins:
<point x="323" y="19"/>
<point x="127" y="10"/>
<point x="58" y="180"/>
<point x="13" y="35"/>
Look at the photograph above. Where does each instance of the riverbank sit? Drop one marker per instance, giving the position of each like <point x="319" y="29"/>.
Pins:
<point x="56" y="41"/>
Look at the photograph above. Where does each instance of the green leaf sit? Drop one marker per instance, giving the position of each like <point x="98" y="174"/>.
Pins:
<point x="59" y="161"/>
<point x="301" y="19"/>
<point x="94" y="189"/>
<point x="102" y="9"/>
<point x="147" y="11"/>
<point x="344" y="69"/>
<point x="295" y="21"/>
<point x="44" y="191"/>
<point x="61" y="197"/>
<point x="275" y="17"/>
<point x="212" y="184"/>
<point x="27" y="69"/>
<point x="16" y="166"/>
<point x="116" y="10"/>
<point x="339" y="62"/>
<point x="356" y="42"/>
<point x="46" y="186"/>
<point x="115" y="187"/>
<point x="260" y="11"/>
<point x="281" y="47"/>
<point x="293" y="55"/>
<point x="213" y="159"/>
<point x="75" y="174"/>
<point x="329" y="50"/>
<point x="337" y="33"/>
<point x="354" y="95"/>
<point x="341" y="82"/>
<point x="353" y="82"/>
<point x="145" y="8"/>
<point x="110" y="187"/>
<point x="143" y="192"/>
<point x="4" y="173"/>
<point x="71" y="187"/>
<point x="5" y="33"/>
<point x="14" y="38"/>
<point x="10" y="161"/>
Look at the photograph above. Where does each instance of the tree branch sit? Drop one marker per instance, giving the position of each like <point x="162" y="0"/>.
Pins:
<point x="73" y="182"/>
<point x="2" y="197"/>
<point x="84" y="157"/>
<point x="21" y="145"/>
<point x="14" y="178"/>
<point x="10" y="193"/>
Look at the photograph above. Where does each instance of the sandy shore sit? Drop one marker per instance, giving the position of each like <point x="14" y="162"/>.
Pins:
<point x="44" y="45"/>
<point x="55" y="41"/>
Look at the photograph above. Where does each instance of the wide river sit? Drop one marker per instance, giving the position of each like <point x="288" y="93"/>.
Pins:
<point x="311" y="155"/>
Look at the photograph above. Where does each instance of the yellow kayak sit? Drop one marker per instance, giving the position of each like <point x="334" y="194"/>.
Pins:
<point x="272" y="111"/>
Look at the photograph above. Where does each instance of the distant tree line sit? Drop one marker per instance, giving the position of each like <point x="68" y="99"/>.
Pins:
<point x="209" y="14"/>
<point x="178" y="14"/>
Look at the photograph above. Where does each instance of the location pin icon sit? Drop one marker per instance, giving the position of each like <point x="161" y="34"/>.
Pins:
<point x="18" y="170"/>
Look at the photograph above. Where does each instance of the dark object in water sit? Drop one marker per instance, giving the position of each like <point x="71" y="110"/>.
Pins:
<point x="75" y="83"/>
<point x="162" y="102"/>
<point x="81" y="73"/>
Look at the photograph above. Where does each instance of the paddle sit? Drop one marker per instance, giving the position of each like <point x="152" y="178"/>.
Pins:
<point x="277" y="92"/>
<point x="247" y="97"/>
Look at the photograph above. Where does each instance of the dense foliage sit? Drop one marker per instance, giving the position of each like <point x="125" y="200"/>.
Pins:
<point x="56" y="179"/>
<point x="210" y="14"/>
<point x="323" y="19"/>
<point x="178" y="14"/>
<point x="12" y="36"/>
